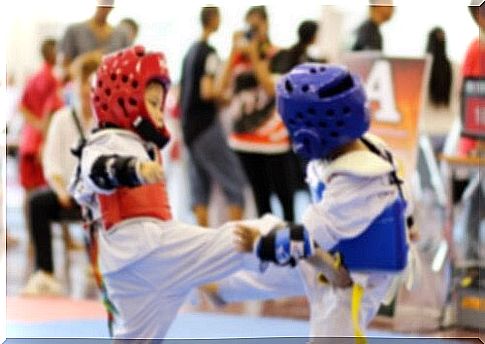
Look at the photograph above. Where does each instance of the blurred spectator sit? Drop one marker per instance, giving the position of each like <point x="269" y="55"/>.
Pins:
<point x="54" y="203"/>
<point x="40" y="98"/>
<point x="474" y="66"/>
<point x="441" y="78"/>
<point x="440" y="106"/>
<point x="13" y="126"/>
<point x="286" y="59"/>
<point x="258" y="134"/>
<point x="369" y="36"/>
<point x="282" y="63"/>
<point x="211" y="159"/>
<point x="93" y="34"/>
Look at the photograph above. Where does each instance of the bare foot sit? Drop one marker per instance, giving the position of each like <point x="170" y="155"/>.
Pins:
<point x="245" y="238"/>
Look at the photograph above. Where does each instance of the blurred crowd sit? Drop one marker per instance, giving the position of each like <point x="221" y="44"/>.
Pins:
<point x="253" y="152"/>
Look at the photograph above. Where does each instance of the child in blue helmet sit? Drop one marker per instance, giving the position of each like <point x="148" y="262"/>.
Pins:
<point x="358" y="208"/>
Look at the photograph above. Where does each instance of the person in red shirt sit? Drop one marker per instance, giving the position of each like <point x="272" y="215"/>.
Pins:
<point x="474" y="66"/>
<point x="40" y="98"/>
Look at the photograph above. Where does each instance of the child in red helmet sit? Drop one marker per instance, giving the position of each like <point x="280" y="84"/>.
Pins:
<point x="149" y="261"/>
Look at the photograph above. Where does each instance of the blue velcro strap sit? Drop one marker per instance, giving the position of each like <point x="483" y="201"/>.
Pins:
<point x="285" y="245"/>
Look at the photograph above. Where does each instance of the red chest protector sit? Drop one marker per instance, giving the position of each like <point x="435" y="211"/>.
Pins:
<point x="142" y="201"/>
<point x="149" y="200"/>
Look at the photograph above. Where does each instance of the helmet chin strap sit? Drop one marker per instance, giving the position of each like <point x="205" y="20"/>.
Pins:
<point x="149" y="132"/>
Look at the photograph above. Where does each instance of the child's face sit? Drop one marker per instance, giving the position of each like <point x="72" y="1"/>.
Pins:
<point x="154" y="95"/>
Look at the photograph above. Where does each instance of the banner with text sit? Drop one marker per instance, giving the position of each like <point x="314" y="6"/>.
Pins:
<point x="395" y="89"/>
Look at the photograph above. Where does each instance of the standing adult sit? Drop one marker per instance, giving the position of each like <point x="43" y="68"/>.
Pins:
<point x="441" y="77"/>
<point x="439" y="108"/>
<point x="282" y="63"/>
<point x="474" y="67"/>
<point x="92" y="34"/>
<point x="258" y="134"/>
<point x="210" y="158"/>
<point x="40" y="98"/>
<point x="369" y="36"/>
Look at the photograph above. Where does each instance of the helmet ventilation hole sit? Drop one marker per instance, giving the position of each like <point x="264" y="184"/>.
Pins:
<point x="345" y="84"/>
<point x="288" y="86"/>
<point x="124" y="78"/>
<point x="313" y="70"/>
<point x="104" y="107"/>
<point x="134" y="84"/>
<point x="132" y="101"/>
<point x="299" y="115"/>
<point x="107" y="92"/>
<point x="330" y="112"/>
<point x="113" y="76"/>
<point x="334" y="134"/>
<point x="340" y="123"/>
<point x="345" y="110"/>
<point x="305" y="88"/>
<point x="311" y="111"/>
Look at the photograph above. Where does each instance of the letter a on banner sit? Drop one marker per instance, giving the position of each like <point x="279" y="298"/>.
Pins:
<point x="380" y="89"/>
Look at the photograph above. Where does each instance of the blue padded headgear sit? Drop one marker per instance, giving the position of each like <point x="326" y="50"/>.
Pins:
<point x="323" y="107"/>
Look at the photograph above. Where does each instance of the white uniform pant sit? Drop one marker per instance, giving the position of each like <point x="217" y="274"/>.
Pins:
<point x="148" y="292"/>
<point x="330" y="308"/>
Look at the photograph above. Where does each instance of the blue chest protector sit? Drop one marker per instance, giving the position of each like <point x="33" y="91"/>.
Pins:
<point x="382" y="246"/>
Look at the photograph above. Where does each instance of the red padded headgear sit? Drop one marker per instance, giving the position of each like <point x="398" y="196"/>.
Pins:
<point x="118" y="94"/>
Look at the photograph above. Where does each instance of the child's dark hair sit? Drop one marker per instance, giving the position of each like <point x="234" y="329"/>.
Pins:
<point x="259" y="10"/>
<point x="47" y="46"/>
<point x="132" y="23"/>
<point x="207" y="13"/>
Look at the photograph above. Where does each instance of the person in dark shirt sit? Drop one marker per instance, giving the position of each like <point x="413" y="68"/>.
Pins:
<point x="286" y="59"/>
<point x="210" y="158"/>
<point x="282" y="63"/>
<point x="368" y="34"/>
<point x="441" y="77"/>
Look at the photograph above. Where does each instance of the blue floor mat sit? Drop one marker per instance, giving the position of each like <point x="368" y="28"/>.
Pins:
<point x="199" y="325"/>
<point x="187" y="325"/>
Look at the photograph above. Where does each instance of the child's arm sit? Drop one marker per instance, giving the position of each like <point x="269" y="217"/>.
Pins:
<point x="111" y="171"/>
<point x="104" y="169"/>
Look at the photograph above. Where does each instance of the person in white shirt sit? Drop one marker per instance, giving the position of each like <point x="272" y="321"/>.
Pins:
<point x="54" y="203"/>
